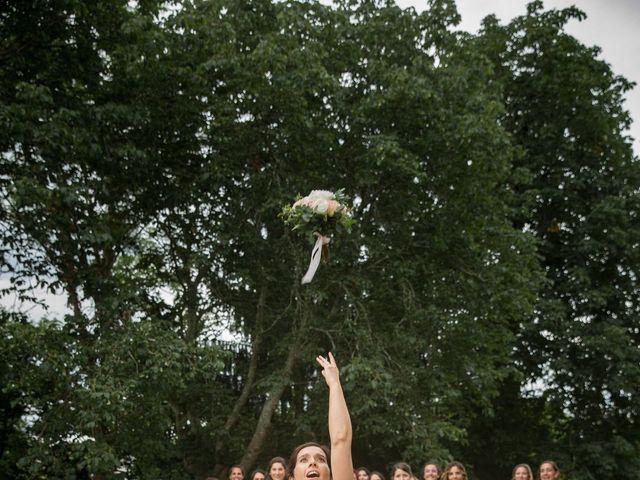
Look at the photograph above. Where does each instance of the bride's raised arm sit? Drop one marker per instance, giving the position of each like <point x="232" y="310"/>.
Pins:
<point x="310" y="461"/>
<point x="339" y="421"/>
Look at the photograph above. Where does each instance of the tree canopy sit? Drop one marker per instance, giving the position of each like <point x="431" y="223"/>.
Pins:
<point x="484" y="307"/>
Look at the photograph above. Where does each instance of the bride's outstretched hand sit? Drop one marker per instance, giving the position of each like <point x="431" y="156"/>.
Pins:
<point x="329" y="369"/>
<point x="340" y="432"/>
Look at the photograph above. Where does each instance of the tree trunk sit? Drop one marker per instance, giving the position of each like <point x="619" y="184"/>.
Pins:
<point x="264" y="421"/>
<point x="234" y="416"/>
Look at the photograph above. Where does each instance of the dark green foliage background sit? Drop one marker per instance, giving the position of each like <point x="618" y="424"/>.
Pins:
<point x="484" y="307"/>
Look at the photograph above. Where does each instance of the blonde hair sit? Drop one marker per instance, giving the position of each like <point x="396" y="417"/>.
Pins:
<point x="526" y="467"/>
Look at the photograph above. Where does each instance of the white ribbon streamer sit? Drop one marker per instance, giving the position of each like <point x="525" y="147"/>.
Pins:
<point x="316" y="254"/>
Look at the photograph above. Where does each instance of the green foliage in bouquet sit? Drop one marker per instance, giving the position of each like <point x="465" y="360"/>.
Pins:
<point x="321" y="211"/>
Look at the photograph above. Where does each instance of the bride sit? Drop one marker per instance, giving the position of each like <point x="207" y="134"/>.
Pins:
<point x="311" y="461"/>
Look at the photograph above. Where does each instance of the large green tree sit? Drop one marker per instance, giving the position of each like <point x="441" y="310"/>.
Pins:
<point x="89" y="161"/>
<point x="578" y="192"/>
<point x="146" y="156"/>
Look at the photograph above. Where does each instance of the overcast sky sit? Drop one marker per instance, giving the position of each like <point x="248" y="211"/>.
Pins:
<point x="612" y="25"/>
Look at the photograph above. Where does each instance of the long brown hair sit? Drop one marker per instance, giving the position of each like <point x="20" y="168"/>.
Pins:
<point x="257" y="471"/>
<point x="405" y="467"/>
<point x="231" y="470"/>
<point x="277" y="460"/>
<point x="363" y="469"/>
<point x="293" y="459"/>
<point x="445" y="474"/>
<point x="552" y="463"/>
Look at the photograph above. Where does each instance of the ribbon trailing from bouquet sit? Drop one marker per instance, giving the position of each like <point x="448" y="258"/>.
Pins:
<point x="319" y="214"/>
<point x="316" y="255"/>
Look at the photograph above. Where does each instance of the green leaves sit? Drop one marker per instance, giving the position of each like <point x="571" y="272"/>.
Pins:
<point x="146" y="157"/>
<point x="559" y="102"/>
<point x="320" y="212"/>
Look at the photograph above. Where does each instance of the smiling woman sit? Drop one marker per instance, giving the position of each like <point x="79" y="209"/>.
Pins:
<point x="522" y="471"/>
<point x="455" y="471"/>
<point x="314" y="461"/>
<point x="548" y="470"/>
<point x="401" y="471"/>
<point x="276" y="469"/>
<point x="430" y="471"/>
<point x="236" y="473"/>
<point x="362" y="473"/>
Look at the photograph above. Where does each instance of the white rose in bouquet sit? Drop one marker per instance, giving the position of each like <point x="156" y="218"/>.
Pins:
<point x="318" y="215"/>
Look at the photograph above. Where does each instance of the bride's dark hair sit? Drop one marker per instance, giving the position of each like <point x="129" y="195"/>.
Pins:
<point x="293" y="459"/>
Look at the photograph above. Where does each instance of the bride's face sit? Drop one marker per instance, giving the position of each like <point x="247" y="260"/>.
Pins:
<point x="311" y="464"/>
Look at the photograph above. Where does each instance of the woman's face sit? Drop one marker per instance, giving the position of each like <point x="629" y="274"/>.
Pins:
<point x="521" y="474"/>
<point x="236" y="474"/>
<point x="276" y="472"/>
<point x="400" y="474"/>
<point x="430" y="472"/>
<point x="363" y="475"/>
<point x="258" y="476"/>
<point x="311" y="464"/>
<point x="547" y="472"/>
<point x="375" y="476"/>
<point x="455" y="473"/>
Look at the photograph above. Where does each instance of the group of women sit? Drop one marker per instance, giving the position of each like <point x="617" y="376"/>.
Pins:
<point x="312" y="461"/>
<point x="276" y="470"/>
<point x="548" y="470"/>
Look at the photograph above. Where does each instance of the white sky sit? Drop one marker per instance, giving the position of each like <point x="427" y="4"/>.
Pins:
<point x="612" y="25"/>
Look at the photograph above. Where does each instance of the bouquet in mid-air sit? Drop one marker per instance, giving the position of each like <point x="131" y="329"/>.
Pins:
<point x="318" y="215"/>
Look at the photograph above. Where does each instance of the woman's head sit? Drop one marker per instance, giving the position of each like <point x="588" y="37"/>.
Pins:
<point x="258" y="474"/>
<point x="362" y="473"/>
<point x="375" y="475"/>
<point x="235" y="473"/>
<point x="522" y="471"/>
<point x="454" y="471"/>
<point x="430" y="471"/>
<point x="401" y="471"/>
<point x="277" y="468"/>
<point x="548" y="470"/>
<point x="310" y="461"/>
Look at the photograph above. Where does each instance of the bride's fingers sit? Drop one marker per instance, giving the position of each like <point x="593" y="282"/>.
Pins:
<point x="327" y="363"/>
<point x="332" y="360"/>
